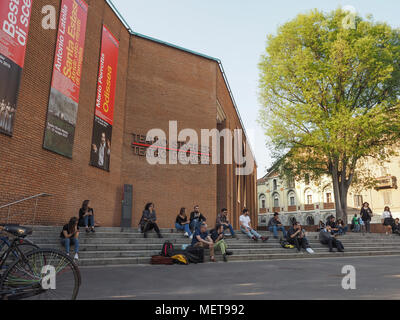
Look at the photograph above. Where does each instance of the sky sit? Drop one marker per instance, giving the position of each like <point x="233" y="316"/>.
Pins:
<point x="235" y="31"/>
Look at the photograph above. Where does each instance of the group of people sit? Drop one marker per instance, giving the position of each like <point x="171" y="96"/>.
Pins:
<point x="7" y="113"/>
<point x="70" y="232"/>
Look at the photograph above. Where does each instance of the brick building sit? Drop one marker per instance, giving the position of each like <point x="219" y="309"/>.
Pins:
<point x="156" y="83"/>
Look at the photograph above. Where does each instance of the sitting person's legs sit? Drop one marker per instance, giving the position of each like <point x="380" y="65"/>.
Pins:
<point x="247" y="233"/>
<point x="229" y="226"/>
<point x="274" y="230"/>
<point x="66" y="243"/>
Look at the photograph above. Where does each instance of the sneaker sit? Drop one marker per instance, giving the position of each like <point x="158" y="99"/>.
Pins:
<point x="160" y="236"/>
<point x="186" y="234"/>
<point x="87" y="230"/>
<point x="191" y="237"/>
<point x="94" y="231"/>
<point x="225" y="258"/>
<point x="264" y="239"/>
<point x="229" y="253"/>
<point x="255" y="239"/>
<point x="310" y="251"/>
<point x="76" y="257"/>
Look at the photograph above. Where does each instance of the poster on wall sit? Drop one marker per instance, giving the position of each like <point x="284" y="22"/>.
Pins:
<point x="14" y="27"/>
<point x="65" y="86"/>
<point x="105" y="100"/>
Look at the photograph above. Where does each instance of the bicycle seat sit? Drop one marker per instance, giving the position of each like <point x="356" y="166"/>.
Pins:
<point x="17" y="230"/>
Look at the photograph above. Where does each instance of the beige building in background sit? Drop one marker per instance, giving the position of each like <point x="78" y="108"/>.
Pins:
<point x="310" y="201"/>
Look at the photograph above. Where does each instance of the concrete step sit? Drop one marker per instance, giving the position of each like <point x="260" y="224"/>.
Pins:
<point x="256" y="257"/>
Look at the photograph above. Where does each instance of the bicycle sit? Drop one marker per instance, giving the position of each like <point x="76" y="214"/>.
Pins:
<point x="26" y="278"/>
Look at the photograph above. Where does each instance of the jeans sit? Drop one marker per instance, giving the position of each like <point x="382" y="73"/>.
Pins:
<point x="195" y="224"/>
<point x="251" y="233"/>
<point x="184" y="227"/>
<point x="221" y="244"/>
<point x="89" y="220"/>
<point x="299" y="242"/>
<point x="229" y="226"/>
<point x="68" y="242"/>
<point x="343" y="230"/>
<point x="356" y="228"/>
<point x="275" y="230"/>
<point x="368" y="226"/>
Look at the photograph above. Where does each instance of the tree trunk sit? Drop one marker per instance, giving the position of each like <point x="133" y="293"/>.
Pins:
<point x="340" y="190"/>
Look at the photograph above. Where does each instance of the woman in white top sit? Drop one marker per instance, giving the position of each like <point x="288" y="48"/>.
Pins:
<point x="387" y="220"/>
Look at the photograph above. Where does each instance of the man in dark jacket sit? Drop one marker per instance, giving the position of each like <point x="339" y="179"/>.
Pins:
<point x="275" y="224"/>
<point x="297" y="237"/>
<point x="326" y="238"/>
<point x="196" y="219"/>
<point x="222" y="219"/>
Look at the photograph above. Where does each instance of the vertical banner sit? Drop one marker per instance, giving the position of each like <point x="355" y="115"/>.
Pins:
<point x="105" y="99"/>
<point x="64" y="95"/>
<point x="14" y="28"/>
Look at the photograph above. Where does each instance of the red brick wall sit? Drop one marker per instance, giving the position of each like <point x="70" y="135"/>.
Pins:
<point x="155" y="84"/>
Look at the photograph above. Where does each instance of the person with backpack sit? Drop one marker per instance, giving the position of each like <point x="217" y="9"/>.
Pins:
<point x="149" y="220"/>
<point x="201" y="239"/>
<point x="366" y="216"/>
<point x="182" y="223"/>
<point x="326" y="238"/>
<point x="70" y="236"/>
<point x="217" y="235"/>
<point x="296" y="236"/>
<point x="196" y="218"/>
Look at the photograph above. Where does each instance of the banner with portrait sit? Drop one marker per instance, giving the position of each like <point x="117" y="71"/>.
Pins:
<point x="65" y="86"/>
<point x="105" y="100"/>
<point x="14" y="27"/>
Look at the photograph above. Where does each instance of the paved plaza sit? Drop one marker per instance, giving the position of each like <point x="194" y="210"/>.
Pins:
<point x="377" y="278"/>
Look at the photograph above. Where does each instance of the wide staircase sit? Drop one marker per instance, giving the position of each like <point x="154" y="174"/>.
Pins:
<point x="116" y="246"/>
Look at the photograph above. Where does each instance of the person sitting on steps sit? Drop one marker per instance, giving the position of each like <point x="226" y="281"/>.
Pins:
<point x="217" y="235"/>
<point x="149" y="220"/>
<point x="275" y="225"/>
<point x="70" y="236"/>
<point x="326" y="238"/>
<point x="182" y="223"/>
<point x="222" y="219"/>
<point x="196" y="219"/>
<point x="245" y="227"/>
<point x="201" y="239"/>
<point x="297" y="237"/>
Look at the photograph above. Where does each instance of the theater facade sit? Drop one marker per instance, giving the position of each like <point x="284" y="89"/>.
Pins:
<point x="76" y="105"/>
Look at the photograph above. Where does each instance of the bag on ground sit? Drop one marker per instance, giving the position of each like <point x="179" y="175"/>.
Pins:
<point x="162" y="260"/>
<point x="167" y="249"/>
<point x="195" y="255"/>
<point x="180" y="259"/>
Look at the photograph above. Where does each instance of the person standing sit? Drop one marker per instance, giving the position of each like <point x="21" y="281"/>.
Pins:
<point x="297" y="237"/>
<point x="70" y="236"/>
<point x="196" y="218"/>
<point x="366" y="216"/>
<point x="356" y="224"/>
<point x="149" y="220"/>
<point x="245" y="227"/>
<point x="86" y="217"/>
<point x="217" y="235"/>
<point x="182" y="223"/>
<point x="222" y="219"/>
<point x="387" y="220"/>
<point x="396" y="226"/>
<point x="201" y="239"/>
<point x="275" y="225"/>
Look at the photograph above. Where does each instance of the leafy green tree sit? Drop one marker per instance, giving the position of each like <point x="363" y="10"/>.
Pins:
<point x="330" y="97"/>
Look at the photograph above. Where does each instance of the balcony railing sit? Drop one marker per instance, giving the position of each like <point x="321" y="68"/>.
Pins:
<point x="329" y="205"/>
<point x="389" y="182"/>
<point x="292" y="208"/>
<point x="309" y="207"/>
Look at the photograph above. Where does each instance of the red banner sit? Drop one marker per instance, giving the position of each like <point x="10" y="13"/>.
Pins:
<point x="106" y="82"/>
<point x="105" y="99"/>
<point x="14" y="26"/>
<point x="67" y="70"/>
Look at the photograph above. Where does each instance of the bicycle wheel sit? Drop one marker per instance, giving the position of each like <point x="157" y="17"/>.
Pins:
<point x="25" y="247"/>
<point x="26" y="276"/>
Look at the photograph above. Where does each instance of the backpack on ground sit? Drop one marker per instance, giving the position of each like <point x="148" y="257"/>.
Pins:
<point x="180" y="259"/>
<point x="286" y="245"/>
<point x="195" y="255"/>
<point x="167" y="249"/>
<point x="162" y="260"/>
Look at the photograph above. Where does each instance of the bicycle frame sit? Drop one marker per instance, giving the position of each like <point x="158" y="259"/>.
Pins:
<point x="12" y="247"/>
